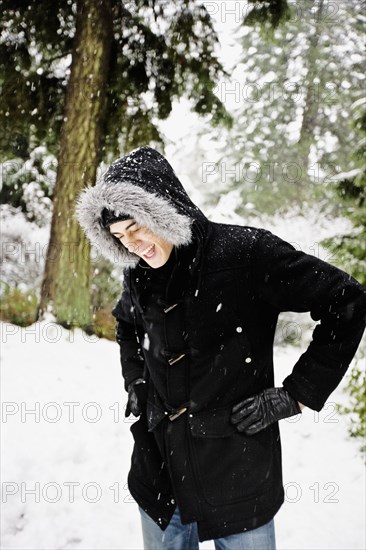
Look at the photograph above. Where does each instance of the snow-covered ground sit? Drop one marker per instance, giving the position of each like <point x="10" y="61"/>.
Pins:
<point x="66" y="450"/>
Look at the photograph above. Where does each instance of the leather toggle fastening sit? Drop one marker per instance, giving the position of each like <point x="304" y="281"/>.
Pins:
<point x="175" y="356"/>
<point x="167" y="309"/>
<point x="177" y="413"/>
<point x="175" y="359"/>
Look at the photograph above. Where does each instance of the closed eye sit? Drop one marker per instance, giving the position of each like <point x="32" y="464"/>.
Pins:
<point x="120" y="235"/>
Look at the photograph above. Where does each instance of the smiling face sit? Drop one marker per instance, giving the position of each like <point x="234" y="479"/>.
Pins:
<point x="139" y="240"/>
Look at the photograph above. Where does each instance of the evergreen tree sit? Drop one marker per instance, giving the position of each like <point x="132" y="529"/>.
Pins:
<point x="351" y="193"/>
<point x="89" y="79"/>
<point x="351" y="252"/>
<point x="292" y="113"/>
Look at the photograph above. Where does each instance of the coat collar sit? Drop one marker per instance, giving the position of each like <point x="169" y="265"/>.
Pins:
<point x="186" y="263"/>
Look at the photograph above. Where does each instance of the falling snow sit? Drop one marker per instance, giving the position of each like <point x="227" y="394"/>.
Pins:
<point x="314" y="451"/>
<point x="146" y="342"/>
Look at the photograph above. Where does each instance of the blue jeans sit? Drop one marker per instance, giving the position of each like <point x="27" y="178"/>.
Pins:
<point x="184" y="537"/>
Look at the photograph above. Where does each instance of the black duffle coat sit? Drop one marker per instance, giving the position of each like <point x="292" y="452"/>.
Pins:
<point x="206" y="342"/>
<point x="200" y="330"/>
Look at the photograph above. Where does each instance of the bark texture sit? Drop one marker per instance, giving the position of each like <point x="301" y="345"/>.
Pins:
<point x="65" y="288"/>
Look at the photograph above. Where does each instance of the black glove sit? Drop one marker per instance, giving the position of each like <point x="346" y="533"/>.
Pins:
<point x="256" y="413"/>
<point x="137" y="396"/>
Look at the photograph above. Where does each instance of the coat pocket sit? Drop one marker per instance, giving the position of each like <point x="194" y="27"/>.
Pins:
<point x="215" y="423"/>
<point x="147" y="464"/>
<point x="231" y="466"/>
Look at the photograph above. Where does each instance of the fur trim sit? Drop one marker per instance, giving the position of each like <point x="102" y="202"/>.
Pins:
<point x="148" y="209"/>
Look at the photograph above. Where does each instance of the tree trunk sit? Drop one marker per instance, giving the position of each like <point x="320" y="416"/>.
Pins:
<point x="312" y="99"/>
<point x="65" y="287"/>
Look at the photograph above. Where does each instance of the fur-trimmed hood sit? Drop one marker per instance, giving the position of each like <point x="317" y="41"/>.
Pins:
<point x="143" y="185"/>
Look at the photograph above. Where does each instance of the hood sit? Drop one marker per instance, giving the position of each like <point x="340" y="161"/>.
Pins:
<point x="143" y="185"/>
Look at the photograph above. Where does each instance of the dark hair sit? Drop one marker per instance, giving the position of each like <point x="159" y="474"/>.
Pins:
<point x="108" y="217"/>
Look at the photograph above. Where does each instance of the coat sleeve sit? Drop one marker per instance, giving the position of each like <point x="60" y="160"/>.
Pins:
<point x="291" y="280"/>
<point x="132" y="361"/>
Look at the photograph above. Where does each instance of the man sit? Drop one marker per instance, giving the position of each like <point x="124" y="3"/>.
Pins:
<point x="195" y="326"/>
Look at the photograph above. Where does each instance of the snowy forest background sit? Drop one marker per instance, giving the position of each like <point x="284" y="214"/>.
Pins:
<point x="260" y="107"/>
